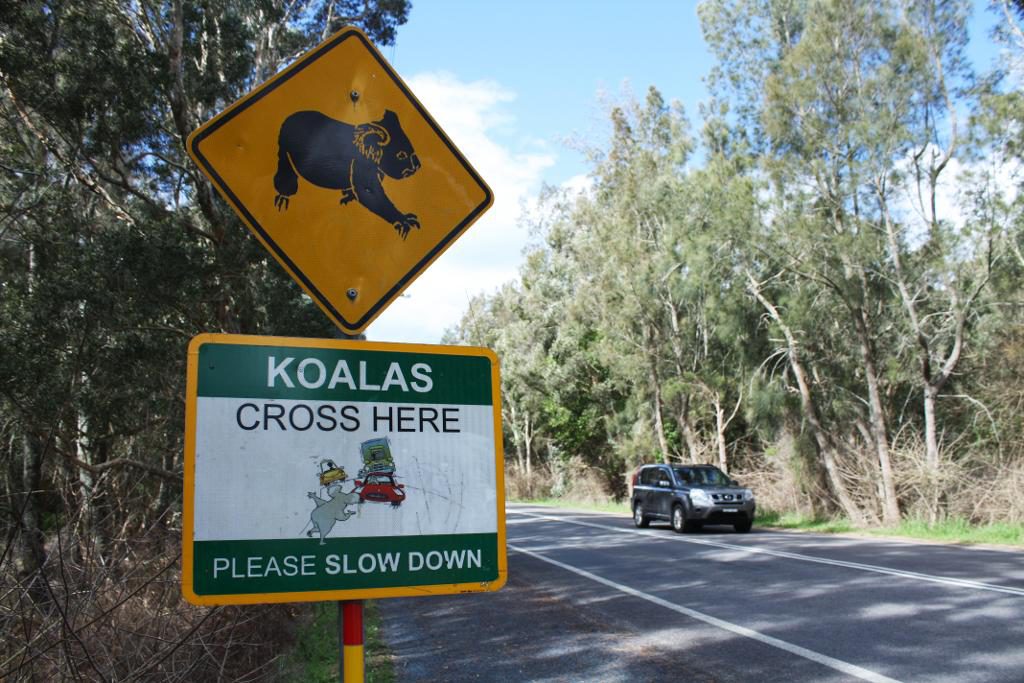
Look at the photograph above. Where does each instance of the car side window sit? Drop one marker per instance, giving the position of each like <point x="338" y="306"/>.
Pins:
<point x="649" y="477"/>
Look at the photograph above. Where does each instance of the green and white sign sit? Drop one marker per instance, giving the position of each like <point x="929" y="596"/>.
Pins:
<point x="328" y="470"/>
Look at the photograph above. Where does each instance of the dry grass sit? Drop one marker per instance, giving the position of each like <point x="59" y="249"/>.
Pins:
<point x="570" y="481"/>
<point x="979" y="491"/>
<point x="125" y="619"/>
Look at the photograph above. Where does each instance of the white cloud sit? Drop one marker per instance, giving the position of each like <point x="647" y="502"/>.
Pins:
<point x="489" y="253"/>
<point x="579" y="184"/>
<point x="952" y="200"/>
<point x="915" y="209"/>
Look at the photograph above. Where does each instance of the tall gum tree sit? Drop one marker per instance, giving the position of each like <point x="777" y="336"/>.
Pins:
<point x="628" y="229"/>
<point x="939" y="263"/>
<point x="824" y="61"/>
<point x="856" y="109"/>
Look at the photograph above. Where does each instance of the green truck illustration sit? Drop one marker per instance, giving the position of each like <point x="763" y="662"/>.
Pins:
<point x="376" y="482"/>
<point x="377" y="458"/>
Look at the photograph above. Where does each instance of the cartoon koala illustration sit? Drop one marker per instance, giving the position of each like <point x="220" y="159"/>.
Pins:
<point x="351" y="158"/>
<point x="328" y="512"/>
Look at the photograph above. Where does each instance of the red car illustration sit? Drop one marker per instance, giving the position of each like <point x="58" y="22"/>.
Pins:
<point x="380" y="488"/>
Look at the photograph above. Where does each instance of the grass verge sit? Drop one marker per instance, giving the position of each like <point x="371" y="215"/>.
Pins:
<point x="794" y="521"/>
<point x="957" y="531"/>
<point x="315" y="655"/>
<point x="947" y="531"/>
<point x="589" y="505"/>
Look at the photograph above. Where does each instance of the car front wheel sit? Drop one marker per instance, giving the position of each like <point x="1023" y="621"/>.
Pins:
<point x="743" y="527"/>
<point x="682" y="525"/>
<point x="639" y="519"/>
<point x="678" y="519"/>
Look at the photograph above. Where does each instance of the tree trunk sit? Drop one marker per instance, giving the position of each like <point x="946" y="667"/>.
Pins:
<point x="689" y="434"/>
<point x="720" y="425"/>
<point x="879" y="430"/>
<point x="517" y="437"/>
<point x="825" y="449"/>
<point x="931" y="441"/>
<point x="88" y="493"/>
<point x="29" y="543"/>
<point x="659" y="424"/>
<point x="869" y="442"/>
<point x="656" y="399"/>
<point x="528" y="447"/>
<point x="684" y="420"/>
<point x="165" y="494"/>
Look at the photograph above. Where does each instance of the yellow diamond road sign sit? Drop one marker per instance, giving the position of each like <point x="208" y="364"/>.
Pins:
<point x="343" y="176"/>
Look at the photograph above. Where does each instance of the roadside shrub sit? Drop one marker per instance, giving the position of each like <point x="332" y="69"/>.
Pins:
<point x="122" y="617"/>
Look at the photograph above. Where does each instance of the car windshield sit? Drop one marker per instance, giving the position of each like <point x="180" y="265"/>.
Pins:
<point x="702" y="476"/>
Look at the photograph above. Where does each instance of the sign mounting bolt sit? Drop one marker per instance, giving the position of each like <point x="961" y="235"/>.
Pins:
<point x="352" y="293"/>
<point x="354" y="95"/>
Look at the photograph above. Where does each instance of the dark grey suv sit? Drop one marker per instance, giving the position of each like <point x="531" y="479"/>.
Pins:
<point x="690" y="496"/>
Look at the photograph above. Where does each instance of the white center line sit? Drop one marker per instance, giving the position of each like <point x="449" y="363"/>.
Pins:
<point x="944" y="580"/>
<point x="825" y="660"/>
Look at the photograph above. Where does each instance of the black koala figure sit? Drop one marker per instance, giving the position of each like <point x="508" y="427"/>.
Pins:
<point x="354" y="159"/>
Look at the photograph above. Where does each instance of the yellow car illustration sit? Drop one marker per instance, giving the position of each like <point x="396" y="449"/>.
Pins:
<point x="331" y="473"/>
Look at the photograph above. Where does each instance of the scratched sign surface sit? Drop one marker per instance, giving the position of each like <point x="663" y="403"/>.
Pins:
<point x="337" y="470"/>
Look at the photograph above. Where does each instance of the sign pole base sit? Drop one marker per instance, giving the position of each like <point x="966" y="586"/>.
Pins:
<point x="352" y="655"/>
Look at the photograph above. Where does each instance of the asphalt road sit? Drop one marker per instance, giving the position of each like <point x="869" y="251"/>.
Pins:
<point x="592" y="598"/>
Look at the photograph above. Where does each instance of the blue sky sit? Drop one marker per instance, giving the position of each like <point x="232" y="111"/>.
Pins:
<point x="556" y="57"/>
<point x="512" y="83"/>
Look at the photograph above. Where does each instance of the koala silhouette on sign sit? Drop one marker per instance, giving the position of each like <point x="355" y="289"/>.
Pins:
<point x="352" y="158"/>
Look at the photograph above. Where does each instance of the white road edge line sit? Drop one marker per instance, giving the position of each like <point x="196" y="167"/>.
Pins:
<point x="825" y="660"/>
<point x="945" y="580"/>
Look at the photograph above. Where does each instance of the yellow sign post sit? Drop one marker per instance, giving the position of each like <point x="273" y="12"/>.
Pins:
<point x="343" y="176"/>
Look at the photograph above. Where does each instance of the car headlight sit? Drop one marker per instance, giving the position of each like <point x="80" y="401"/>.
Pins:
<point x="699" y="497"/>
<point x="748" y="494"/>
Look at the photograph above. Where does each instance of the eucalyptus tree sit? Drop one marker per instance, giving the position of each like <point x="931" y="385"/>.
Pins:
<point x="655" y="245"/>
<point x="625" y="242"/>
<point x="991" y="186"/>
<point x="500" y="322"/>
<point x="718" y="216"/>
<point x="857" y="108"/>
<point x="556" y="392"/>
<point x="791" y="67"/>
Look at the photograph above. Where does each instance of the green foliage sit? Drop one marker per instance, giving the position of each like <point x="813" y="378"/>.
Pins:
<point x="314" y="659"/>
<point x="830" y="268"/>
<point x="958" y="530"/>
<point x="114" y="252"/>
<point x="797" y="522"/>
